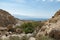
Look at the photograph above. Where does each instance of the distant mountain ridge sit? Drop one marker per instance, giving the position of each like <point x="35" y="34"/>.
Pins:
<point x="21" y="17"/>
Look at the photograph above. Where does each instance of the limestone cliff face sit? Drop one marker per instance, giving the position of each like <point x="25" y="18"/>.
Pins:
<point x="6" y="18"/>
<point x="51" y="27"/>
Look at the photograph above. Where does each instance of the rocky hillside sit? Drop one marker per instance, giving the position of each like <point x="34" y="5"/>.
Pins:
<point x="43" y="30"/>
<point x="6" y="18"/>
<point x="51" y="27"/>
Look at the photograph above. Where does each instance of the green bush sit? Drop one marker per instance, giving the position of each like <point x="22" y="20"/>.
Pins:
<point x="27" y="27"/>
<point x="30" y="27"/>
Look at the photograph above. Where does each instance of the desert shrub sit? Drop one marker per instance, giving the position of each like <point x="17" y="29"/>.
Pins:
<point x="27" y="27"/>
<point x="14" y="38"/>
<point x="44" y="38"/>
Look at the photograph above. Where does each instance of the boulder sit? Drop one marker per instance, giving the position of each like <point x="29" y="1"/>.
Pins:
<point x="32" y="38"/>
<point x="55" y="34"/>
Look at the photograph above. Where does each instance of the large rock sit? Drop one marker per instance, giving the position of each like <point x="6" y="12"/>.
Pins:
<point x="55" y="34"/>
<point x="32" y="38"/>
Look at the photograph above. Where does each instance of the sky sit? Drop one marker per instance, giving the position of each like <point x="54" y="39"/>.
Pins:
<point x="31" y="8"/>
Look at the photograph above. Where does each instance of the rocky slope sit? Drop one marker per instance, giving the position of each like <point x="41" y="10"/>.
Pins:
<point x="51" y="27"/>
<point x="6" y="19"/>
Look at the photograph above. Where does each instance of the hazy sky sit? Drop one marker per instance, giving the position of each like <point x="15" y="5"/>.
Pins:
<point x="32" y="8"/>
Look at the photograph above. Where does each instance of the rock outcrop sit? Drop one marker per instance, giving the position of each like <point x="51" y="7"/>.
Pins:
<point x="57" y="13"/>
<point x="51" y="27"/>
<point x="6" y="19"/>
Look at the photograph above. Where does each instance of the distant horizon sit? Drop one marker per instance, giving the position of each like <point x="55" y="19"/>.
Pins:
<point x="29" y="18"/>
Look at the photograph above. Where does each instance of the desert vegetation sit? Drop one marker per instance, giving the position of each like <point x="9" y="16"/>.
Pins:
<point x="30" y="27"/>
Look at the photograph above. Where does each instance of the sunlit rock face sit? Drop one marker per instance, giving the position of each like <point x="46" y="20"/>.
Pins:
<point x="51" y="27"/>
<point x="57" y="13"/>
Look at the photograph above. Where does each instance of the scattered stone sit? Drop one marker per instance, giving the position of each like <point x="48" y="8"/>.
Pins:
<point x="32" y="38"/>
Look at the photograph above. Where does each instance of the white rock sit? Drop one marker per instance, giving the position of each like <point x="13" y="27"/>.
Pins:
<point x="22" y="34"/>
<point x="32" y="38"/>
<point x="29" y="35"/>
<point x="4" y="37"/>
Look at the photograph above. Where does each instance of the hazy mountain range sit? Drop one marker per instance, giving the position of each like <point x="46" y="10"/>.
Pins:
<point x="21" y="17"/>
